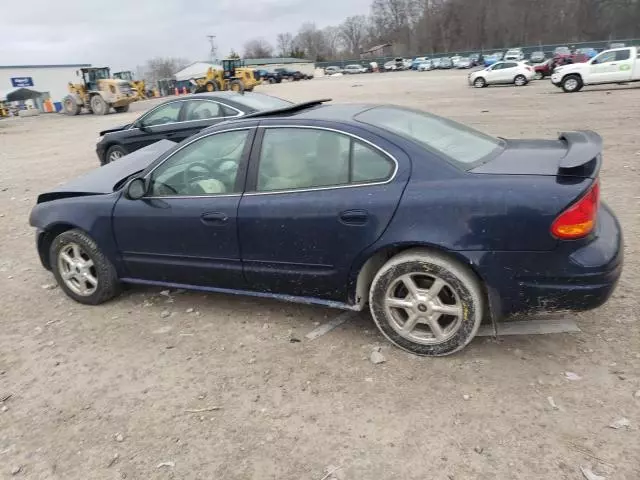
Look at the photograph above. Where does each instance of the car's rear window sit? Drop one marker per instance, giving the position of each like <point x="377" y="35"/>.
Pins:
<point x="261" y="102"/>
<point x="457" y="143"/>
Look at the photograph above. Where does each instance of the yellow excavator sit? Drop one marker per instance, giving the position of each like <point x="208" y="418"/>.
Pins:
<point x="4" y="111"/>
<point x="98" y="93"/>
<point x="234" y="76"/>
<point x="138" y="85"/>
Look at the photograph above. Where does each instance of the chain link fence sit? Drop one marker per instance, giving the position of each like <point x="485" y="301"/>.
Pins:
<point x="547" y="49"/>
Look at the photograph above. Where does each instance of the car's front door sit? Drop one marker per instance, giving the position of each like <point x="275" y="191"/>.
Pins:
<point x="493" y="73"/>
<point x="198" y="114"/>
<point x="611" y="66"/>
<point x="184" y="231"/>
<point x="315" y="199"/>
<point x="157" y="124"/>
<point x="508" y="72"/>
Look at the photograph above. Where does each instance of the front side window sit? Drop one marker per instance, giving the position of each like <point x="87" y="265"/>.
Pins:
<point x="458" y="143"/>
<point x="208" y="166"/>
<point x="604" y="57"/>
<point x="497" y="66"/>
<point x="169" y="113"/>
<point x="298" y="158"/>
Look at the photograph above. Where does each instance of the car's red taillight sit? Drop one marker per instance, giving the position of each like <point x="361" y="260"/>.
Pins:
<point x="579" y="219"/>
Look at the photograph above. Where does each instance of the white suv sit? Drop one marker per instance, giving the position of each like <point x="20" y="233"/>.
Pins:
<point x="517" y="73"/>
<point x="514" y="54"/>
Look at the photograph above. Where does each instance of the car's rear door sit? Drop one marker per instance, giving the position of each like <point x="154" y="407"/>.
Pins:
<point x="508" y="72"/>
<point x="198" y="114"/>
<point x="316" y="197"/>
<point x="185" y="231"/>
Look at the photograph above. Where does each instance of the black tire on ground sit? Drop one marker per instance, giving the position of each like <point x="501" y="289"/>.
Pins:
<point x="459" y="290"/>
<point x="272" y="80"/>
<point x="480" y="82"/>
<point x="123" y="109"/>
<point x="539" y="76"/>
<point x="114" y="153"/>
<point x="108" y="285"/>
<point x="520" y="81"/>
<point x="211" y="87"/>
<point x="70" y="105"/>
<point x="236" y="86"/>
<point x="98" y="105"/>
<point x="572" y="83"/>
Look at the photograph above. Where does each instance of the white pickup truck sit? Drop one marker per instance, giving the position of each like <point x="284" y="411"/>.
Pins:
<point x="618" y="65"/>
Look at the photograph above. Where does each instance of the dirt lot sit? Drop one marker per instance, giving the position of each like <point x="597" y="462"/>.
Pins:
<point x="104" y="392"/>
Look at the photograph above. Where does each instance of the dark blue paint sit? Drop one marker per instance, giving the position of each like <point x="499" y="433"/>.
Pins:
<point x="310" y="246"/>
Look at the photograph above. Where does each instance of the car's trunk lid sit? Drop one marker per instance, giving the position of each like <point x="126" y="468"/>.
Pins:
<point x="574" y="154"/>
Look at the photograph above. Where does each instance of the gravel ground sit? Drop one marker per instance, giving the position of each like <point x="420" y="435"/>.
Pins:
<point x="108" y="392"/>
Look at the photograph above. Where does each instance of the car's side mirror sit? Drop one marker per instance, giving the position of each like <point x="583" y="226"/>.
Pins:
<point x="135" y="189"/>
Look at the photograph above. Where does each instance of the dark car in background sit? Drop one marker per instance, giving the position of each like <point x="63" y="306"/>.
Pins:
<point x="268" y="77"/>
<point x="292" y="75"/>
<point x="180" y="118"/>
<point x="434" y="225"/>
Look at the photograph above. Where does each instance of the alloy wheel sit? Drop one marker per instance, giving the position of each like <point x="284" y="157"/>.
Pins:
<point x="571" y="84"/>
<point x="115" y="155"/>
<point x="77" y="270"/>
<point x="423" y="308"/>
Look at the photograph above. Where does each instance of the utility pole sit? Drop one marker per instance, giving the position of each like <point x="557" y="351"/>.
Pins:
<point x="212" y="52"/>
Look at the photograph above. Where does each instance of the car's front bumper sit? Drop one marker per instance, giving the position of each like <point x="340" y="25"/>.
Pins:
<point x="574" y="276"/>
<point x="101" y="151"/>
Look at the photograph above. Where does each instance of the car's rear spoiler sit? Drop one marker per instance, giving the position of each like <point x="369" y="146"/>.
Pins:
<point x="582" y="147"/>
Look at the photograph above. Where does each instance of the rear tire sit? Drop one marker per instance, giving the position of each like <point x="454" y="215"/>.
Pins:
<point x="539" y="76"/>
<point x="479" y="82"/>
<point x="211" y="87"/>
<point x="98" y="105"/>
<point x="83" y="272"/>
<point x="441" y="316"/>
<point x="70" y="105"/>
<point x="123" y="109"/>
<point x="520" y="81"/>
<point x="571" y="84"/>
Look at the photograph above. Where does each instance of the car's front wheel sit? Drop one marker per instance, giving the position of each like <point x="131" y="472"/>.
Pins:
<point x="479" y="82"/>
<point x="572" y="83"/>
<point x="114" y="153"/>
<point x="539" y="75"/>
<point x="81" y="269"/>
<point x="427" y="303"/>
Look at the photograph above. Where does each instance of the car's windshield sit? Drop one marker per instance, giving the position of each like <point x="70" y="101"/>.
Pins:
<point x="459" y="143"/>
<point x="259" y="101"/>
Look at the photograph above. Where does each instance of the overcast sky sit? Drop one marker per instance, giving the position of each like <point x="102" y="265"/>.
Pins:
<point x="124" y="33"/>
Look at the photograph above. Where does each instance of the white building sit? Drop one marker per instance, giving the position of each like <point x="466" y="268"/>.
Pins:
<point x="50" y="80"/>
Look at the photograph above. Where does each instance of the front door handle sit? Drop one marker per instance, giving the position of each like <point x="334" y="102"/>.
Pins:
<point x="354" y="217"/>
<point x="214" y="218"/>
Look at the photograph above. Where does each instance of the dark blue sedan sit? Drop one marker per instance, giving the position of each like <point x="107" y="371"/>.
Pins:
<point x="435" y="226"/>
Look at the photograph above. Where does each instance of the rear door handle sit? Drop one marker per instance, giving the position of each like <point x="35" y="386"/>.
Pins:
<point x="354" y="217"/>
<point x="214" y="218"/>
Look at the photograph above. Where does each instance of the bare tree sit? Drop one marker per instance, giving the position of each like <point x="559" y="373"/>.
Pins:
<point x="284" y="44"/>
<point x="258" y="48"/>
<point x="333" y="42"/>
<point x="159" y="68"/>
<point x="353" y="31"/>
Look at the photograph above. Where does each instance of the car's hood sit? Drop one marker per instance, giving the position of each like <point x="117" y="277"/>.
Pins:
<point x="573" y="154"/>
<point x="115" y="129"/>
<point x="104" y="179"/>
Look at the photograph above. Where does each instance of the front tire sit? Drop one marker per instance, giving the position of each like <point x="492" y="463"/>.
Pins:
<point x="83" y="272"/>
<point x="236" y="86"/>
<point x="427" y="303"/>
<point x="572" y="83"/>
<point x="114" y="153"/>
<point x="70" y="105"/>
<point x="98" y="105"/>
<point x="479" y="82"/>
<point x="520" y="81"/>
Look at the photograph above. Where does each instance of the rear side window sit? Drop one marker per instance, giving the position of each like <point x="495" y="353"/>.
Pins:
<point x="300" y="158"/>
<point x="460" y="144"/>
<point x="510" y="65"/>
<point x="622" y="55"/>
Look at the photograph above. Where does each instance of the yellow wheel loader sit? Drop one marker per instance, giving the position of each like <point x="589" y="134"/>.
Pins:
<point x="98" y="93"/>
<point x="138" y="85"/>
<point x="234" y="76"/>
